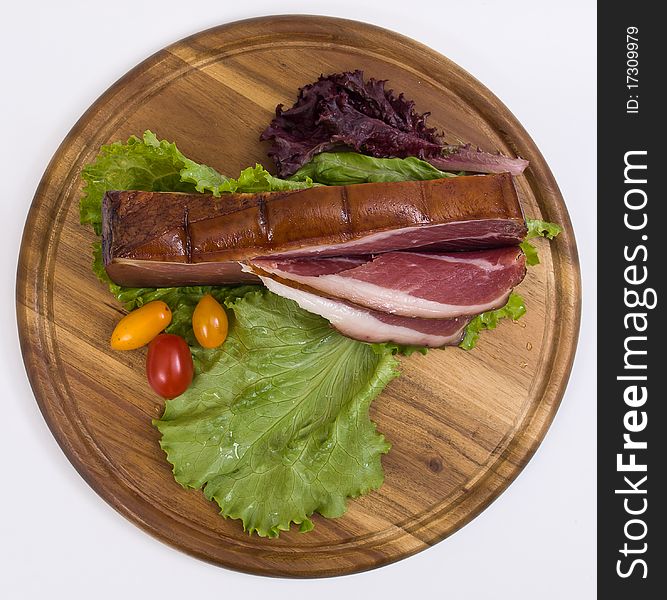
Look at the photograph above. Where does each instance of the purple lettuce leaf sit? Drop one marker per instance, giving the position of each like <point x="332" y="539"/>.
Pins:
<point x="342" y="111"/>
<point x="467" y="158"/>
<point x="373" y="136"/>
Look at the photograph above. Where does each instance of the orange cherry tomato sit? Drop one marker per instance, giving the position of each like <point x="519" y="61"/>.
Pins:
<point x="169" y="366"/>
<point x="140" y="326"/>
<point x="209" y="322"/>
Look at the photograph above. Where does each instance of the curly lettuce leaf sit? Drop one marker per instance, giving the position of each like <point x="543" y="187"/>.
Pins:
<point x="153" y="165"/>
<point x="532" y="258"/>
<point x="276" y="428"/>
<point x="345" y="110"/>
<point x="346" y="168"/>
<point x="258" y="179"/>
<point x="514" y="309"/>
<point x="537" y="228"/>
<point x="139" y="164"/>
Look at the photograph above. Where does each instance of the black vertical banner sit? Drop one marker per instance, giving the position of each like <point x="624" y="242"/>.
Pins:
<point x="632" y="342"/>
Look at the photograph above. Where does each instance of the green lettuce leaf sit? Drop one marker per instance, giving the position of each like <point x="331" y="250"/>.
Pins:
<point x="537" y="228"/>
<point x="345" y="168"/>
<point x="258" y="179"/>
<point x="153" y="165"/>
<point x="277" y="427"/>
<point x="532" y="258"/>
<point x="140" y="164"/>
<point x="514" y="309"/>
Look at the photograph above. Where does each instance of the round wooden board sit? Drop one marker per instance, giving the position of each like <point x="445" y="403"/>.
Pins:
<point x="462" y="424"/>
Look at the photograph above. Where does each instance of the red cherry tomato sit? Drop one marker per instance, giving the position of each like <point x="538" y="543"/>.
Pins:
<point x="169" y="365"/>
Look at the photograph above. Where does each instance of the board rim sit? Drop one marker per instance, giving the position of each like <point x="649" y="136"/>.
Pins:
<point x="29" y="319"/>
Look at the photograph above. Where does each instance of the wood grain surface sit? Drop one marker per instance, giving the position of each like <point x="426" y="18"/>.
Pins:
<point x="462" y="424"/>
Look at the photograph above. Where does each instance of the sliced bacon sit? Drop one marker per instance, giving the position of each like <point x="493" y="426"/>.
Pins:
<point x="412" y="284"/>
<point x="367" y="325"/>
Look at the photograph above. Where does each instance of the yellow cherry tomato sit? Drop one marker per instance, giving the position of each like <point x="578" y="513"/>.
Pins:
<point x="140" y="326"/>
<point x="209" y="322"/>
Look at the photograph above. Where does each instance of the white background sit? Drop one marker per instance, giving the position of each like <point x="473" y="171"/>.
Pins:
<point x="59" y="540"/>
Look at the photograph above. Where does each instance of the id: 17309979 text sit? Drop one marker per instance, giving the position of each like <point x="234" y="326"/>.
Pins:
<point x="632" y="70"/>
